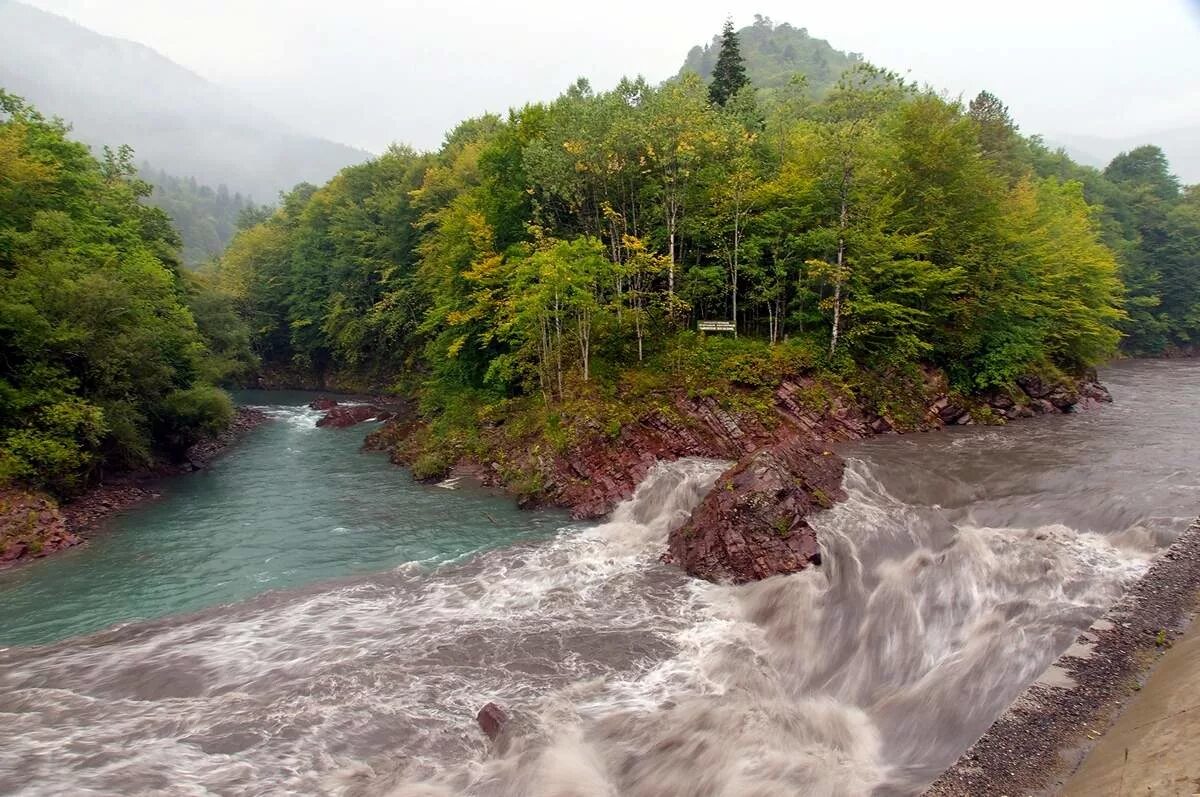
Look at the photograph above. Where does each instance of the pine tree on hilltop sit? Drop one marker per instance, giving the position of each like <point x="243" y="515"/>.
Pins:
<point x="729" y="75"/>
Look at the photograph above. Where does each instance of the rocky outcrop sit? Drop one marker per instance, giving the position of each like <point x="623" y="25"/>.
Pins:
<point x="754" y="523"/>
<point x="594" y="477"/>
<point x="1031" y="396"/>
<point x="340" y="416"/>
<point x="31" y="525"/>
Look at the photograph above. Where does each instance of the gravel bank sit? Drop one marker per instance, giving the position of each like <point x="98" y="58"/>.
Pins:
<point x="1042" y="738"/>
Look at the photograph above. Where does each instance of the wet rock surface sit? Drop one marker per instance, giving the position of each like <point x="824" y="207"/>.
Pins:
<point x="782" y="470"/>
<point x="341" y="416"/>
<point x="754" y="522"/>
<point x="597" y="476"/>
<point x="492" y="719"/>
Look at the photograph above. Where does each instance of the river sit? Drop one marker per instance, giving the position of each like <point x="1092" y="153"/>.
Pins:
<point x="304" y="618"/>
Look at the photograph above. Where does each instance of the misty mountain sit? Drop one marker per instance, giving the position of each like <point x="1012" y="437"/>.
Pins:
<point x="1181" y="145"/>
<point x="774" y="53"/>
<point x="114" y="91"/>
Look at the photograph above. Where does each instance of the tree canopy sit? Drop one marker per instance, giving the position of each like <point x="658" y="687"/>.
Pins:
<point x="729" y="74"/>
<point x="101" y="361"/>
<point x="886" y="225"/>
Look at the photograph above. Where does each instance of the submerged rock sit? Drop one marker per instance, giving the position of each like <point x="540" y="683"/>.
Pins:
<point x="754" y="523"/>
<point x="492" y="719"/>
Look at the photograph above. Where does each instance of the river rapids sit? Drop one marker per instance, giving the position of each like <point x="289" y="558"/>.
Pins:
<point x="962" y="564"/>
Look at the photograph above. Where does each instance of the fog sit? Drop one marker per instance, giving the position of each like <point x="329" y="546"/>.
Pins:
<point x="368" y="73"/>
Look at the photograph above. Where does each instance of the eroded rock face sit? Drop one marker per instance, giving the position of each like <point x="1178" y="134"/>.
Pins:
<point x="340" y="416"/>
<point x="596" y="477"/>
<point x="754" y="523"/>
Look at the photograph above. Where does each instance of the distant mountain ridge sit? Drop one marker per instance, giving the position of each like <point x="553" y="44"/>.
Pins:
<point x="114" y="91"/>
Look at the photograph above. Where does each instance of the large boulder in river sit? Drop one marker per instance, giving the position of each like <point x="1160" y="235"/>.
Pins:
<point x="754" y="522"/>
<point x="341" y="416"/>
<point x="322" y="404"/>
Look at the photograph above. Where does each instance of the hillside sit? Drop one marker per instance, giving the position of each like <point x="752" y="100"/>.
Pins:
<point x="116" y="92"/>
<point x="774" y="54"/>
<point x="205" y="218"/>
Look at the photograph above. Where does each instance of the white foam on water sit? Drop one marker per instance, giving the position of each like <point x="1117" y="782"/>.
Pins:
<point x="623" y="677"/>
<point x="301" y="418"/>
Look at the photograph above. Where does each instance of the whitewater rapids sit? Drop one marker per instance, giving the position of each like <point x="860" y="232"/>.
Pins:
<point x="867" y="675"/>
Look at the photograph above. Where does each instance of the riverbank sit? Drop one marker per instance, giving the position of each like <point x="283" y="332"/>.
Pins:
<point x="1035" y="746"/>
<point x="1151" y="748"/>
<point x="34" y="525"/>
<point x="775" y="426"/>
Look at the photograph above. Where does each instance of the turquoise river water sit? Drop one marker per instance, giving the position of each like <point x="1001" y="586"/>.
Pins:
<point x="291" y="505"/>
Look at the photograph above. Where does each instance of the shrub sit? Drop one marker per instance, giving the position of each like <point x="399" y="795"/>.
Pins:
<point x="188" y="416"/>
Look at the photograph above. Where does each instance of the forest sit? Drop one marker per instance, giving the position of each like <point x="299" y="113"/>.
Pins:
<point x="206" y="219"/>
<point x="102" y="364"/>
<point x="869" y="229"/>
<point x="881" y="224"/>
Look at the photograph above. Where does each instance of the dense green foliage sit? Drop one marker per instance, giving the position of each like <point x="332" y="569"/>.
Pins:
<point x="101" y="363"/>
<point x="561" y="256"/>
<point x="729" y="73"/>
<point x="561" y="246"/>
<point x="206" y="220"/>
<point x="1153" y="227"/>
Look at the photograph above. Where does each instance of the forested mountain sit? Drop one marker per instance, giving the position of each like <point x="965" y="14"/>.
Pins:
<point x="118" y="92"/>
<point x="205" y="219"/>
<point x="102" y="363"/>
<point x="774" y="54"/>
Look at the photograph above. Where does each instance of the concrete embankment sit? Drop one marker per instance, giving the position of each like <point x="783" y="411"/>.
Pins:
<point x="1110" y="716"/>
<point x="1152" y="747"/>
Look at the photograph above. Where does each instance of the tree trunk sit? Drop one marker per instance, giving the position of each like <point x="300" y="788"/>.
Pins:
<point x="737" y="239"/>
<point x="558" y="343"/>
<point x="841" y="259"/>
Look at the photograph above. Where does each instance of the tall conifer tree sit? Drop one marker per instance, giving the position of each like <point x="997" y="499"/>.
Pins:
<point x="729" y="74"/>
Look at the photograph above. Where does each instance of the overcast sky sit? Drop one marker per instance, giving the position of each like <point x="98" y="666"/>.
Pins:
<point x="369" y="72"/>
